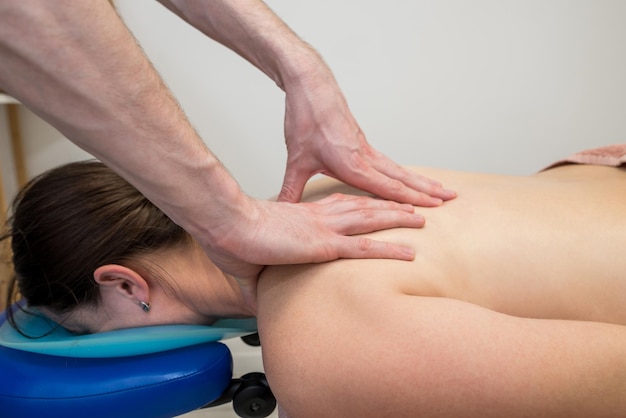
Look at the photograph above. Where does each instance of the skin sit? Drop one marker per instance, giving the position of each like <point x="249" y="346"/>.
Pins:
<point x="115" y="106"/>
<point x="182" y="285"/>
<point x="513" y="307"/>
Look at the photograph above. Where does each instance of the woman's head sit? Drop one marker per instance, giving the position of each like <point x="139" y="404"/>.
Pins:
<point x="91" y="251"/>
<point x="69" y="221"/>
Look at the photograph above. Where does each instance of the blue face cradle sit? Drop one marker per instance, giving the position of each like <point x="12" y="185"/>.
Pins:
<point x="56" y="340"/>
<point x="158" y="371"/>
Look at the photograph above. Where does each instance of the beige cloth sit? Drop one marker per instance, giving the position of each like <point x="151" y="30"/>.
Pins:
<point x="611" y="155"/>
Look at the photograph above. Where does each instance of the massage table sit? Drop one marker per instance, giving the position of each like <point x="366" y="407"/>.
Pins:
<point x="148" y="372"/>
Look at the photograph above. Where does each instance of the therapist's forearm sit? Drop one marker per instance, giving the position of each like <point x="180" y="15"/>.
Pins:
<point x="254" y="31"/>
<point x="77" y="66"/>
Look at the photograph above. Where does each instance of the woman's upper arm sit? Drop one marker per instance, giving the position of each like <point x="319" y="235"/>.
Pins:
<point x="347" y="350"/>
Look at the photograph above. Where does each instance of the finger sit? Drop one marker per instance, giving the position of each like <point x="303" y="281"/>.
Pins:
<point x="390" y="188"/>
<point x="293" y="184"/>
<point x="410" y="178"/>
<point x="338" y="203"/>
<point x="362" y="172"/>
<point x="362" y="247"/>
<point x="414" y="189"/>
<point x="369" y="220"/>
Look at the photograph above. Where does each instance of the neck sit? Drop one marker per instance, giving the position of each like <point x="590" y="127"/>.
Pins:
<point x="233" y="301"/>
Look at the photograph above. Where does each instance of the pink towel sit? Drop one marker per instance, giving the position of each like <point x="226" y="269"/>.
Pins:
<point x="611" y="155"/>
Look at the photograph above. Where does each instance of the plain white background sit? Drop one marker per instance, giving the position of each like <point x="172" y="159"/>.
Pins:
<point x="489" y="85"/>
<point x="498" y="86"/>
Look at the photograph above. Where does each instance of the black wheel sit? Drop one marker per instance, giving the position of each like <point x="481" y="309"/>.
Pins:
<point x="254" y="399"/>
<point x="252" y="339"/>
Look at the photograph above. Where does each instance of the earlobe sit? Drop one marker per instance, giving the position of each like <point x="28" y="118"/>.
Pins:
<point x="114" y="279"/>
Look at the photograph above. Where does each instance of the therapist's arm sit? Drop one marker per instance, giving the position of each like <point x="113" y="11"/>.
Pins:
<point x="76" y="65"/>
<point x="321" y="133"/>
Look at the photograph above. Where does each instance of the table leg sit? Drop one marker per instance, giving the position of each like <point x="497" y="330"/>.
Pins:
<point x="15" y="134"/>
<point x="5" y="269"/>
<point x="16" y="144"/>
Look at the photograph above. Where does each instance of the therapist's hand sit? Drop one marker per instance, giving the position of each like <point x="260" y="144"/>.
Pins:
<point x="323" y="137"/>
<point x="291" y="233"/>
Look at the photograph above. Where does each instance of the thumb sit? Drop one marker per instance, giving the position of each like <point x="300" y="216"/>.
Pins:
<point x="293" y="184"/>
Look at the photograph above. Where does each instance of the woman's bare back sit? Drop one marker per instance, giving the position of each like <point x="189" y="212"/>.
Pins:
<point x="551" y="245"/>
<point x="392" y="338"/>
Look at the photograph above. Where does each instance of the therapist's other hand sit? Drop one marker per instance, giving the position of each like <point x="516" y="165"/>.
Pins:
<point x="323" y="137"/>
<point x="293" y="233"/>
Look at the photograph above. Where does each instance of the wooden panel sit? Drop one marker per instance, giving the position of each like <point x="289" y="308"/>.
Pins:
<point x="3" y="203"/>
<point x="5" y="272"/>
<point x="16" y="144"/>
<point x="5" y="255"/>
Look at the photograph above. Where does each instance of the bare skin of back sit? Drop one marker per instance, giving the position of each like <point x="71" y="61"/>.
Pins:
<point x="515" y="305"/>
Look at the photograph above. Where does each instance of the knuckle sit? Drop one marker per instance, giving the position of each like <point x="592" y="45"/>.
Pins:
<point x="338" y="196"/>
<point x="357" y="162"/>
<point x="367" y="214"/>
<point x="395" y="185"/>
<point x="287" y="194"/>
<point x="365" y="244"/>
<point x="365" y="201"/>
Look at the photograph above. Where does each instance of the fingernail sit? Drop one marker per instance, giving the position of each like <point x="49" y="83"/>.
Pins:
<point x="407" y="253"/>
<point x="450" y="194"/>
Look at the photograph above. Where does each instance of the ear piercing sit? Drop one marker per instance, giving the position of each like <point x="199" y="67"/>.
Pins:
<point x="145" y="306"/>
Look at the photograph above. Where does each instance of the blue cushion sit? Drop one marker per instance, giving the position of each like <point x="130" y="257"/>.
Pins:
<point x="119" y="343"/>
<point x="155" y="385"/>
<point x="150" y="372"/>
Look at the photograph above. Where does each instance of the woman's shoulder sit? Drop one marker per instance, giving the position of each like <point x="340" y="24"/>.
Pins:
<point x="310" y="318"/>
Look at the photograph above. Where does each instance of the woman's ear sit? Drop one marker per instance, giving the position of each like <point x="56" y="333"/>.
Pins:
<point x="122" y="281"/>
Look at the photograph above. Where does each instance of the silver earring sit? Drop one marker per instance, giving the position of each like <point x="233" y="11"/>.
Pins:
<point x="145" y="306"/>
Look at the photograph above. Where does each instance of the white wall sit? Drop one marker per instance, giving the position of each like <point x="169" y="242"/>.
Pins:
<point x="483" y="85"/>
<point x="489" y="85"/>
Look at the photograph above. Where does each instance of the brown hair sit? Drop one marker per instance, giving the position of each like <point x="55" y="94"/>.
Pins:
<point x="71" y="220"/>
